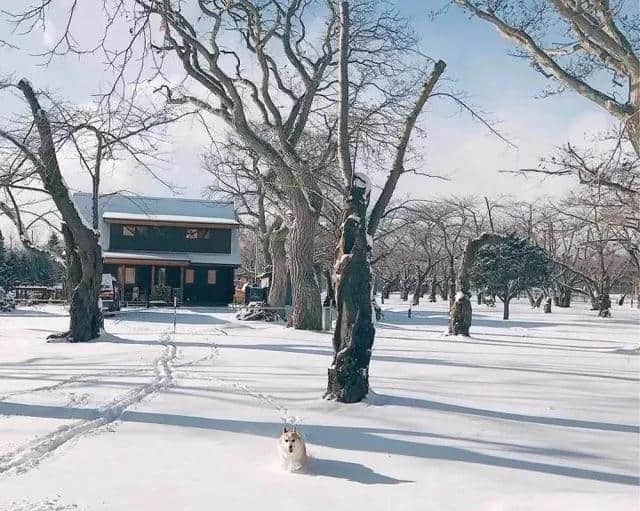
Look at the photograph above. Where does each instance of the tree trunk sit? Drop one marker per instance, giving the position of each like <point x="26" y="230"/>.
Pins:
<point x="434" y="290"/>
<point x="452" y="287"/>
<point x="386" y="291"/>
<point x="604" y="300"/>
<point x="460" y="315"/>
<point x="564" y="299"/>
<point x="417" y="290"/>
<point x="278" y="256"/>
<point x="460" y="310"/>
<point x="86" y="317"/>
<point x="306" y="313"/>
<point x="330" y="300"/>
<point x="444" y="290"/>
<point x="539" y="301"/>
<point x="348" y="376"/>
<point x="73" y="273"/>
<point x="404" y="290"/>
<point x="505" y="310"/>
<point x="532" y="299"/>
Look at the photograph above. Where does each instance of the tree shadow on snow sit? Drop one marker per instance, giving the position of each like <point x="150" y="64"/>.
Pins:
<point x="361" y="439"/>
<point x="33" y="313"/>
<point x="392" y="318"/>
<point x="350" y="471"/>
<point x="166" y="316"/>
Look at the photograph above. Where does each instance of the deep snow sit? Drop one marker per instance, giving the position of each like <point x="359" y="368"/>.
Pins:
<point x="539" y="412"/>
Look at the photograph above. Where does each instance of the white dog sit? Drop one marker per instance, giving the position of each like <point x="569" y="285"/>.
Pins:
<point x="292" y="450"/>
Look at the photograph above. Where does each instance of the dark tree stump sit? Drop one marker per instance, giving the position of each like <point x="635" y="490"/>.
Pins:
<point x="460" y="316"/>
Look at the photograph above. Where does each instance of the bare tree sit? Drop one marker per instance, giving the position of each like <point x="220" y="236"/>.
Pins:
<point x="41" y="155"/>
<point x="575" y="43"/>
<point x="31" y="144"/>
<point x="348" y="376"/>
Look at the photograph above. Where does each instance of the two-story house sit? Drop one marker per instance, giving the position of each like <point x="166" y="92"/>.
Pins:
<point x="190" y="246"/>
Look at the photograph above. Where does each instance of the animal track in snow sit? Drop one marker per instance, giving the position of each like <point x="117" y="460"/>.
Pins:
<point x="30" y="454"/>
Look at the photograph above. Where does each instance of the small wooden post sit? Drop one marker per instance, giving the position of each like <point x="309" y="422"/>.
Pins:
<point x="175" y="312"/>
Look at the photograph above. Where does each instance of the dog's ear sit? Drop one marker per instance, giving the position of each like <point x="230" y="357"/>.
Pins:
<point x="294" y="428"/>
<point x="284" y="429"/>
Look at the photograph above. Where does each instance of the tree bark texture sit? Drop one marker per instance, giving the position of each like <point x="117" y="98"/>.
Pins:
<point x="306" y="312"/>
<point x="278" y="256"/>
<point x="353" y="337"/>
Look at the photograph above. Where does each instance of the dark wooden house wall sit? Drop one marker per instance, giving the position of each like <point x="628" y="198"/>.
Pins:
<point x="170" y="239"/>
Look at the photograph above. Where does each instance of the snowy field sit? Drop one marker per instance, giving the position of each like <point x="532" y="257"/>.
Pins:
<point x="537" y="413"/>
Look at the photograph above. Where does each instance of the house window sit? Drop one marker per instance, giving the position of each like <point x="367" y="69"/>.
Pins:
<point x="188" y="276"/>
<point x="130" y="276"/>
<point x="192" y="234"/>
<point x="128" y="231"/>
<point x="211" y="276"/>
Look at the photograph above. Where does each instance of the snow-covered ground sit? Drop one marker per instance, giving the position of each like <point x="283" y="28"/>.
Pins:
<point x="540" y="412"/>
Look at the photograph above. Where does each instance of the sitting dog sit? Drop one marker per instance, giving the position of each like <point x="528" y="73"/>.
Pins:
<point x="292" y="450"/>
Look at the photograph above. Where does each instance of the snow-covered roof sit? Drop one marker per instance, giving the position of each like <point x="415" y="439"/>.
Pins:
<point x="137" y="207"/>
<point x="110" y="215"/>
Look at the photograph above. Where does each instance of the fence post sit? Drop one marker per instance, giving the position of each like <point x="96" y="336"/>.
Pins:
<point x="175" y="312"/>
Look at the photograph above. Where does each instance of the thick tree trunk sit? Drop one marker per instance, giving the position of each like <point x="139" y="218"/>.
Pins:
<point x="505" y="310"/>
<point x="73" y="273"/>
<point x="404" y="290"/>
<point x="434" y="290"/>
<point x="460" y="315"/>
<point x="86" y="317"/>
<point x="386" y="291"/>
<point x="348" y="376"/>
<point x="444" y="289"/>
<point x="417" y="290"/>
<point x="564" y="300"/>
<point x="278" y="256"/>
<point x="306" y="313"/>
<point x="84" y="274"/>
<point x="604" y="300"/>
<point x="460" y="311"/>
